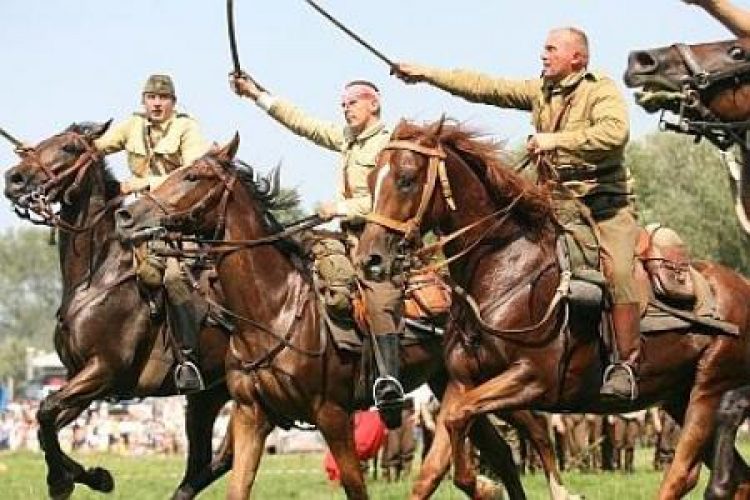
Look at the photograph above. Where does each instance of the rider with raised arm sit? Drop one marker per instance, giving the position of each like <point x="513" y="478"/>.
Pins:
<point x="581" y="123"/>
<point x="736" y="19"/>
<point x="359" y="142"/>
<point x="158" y="141"/>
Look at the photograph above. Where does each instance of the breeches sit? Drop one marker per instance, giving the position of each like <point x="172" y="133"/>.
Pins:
<point x="619" y="235"/>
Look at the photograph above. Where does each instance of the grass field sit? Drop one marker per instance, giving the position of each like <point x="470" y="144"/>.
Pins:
<point x="292" y="477"/>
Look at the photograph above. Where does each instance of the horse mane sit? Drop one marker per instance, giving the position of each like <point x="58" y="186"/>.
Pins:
<point x="486" y="159"/>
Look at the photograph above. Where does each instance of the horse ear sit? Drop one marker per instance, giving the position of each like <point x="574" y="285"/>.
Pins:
<point x="402" y="123"/>
<point x="98" y="130"/>
<point x="439" y="126"/>
<point x="229" y="151"/>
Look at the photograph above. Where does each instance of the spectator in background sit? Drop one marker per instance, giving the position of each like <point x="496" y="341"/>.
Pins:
<point x="400" y="444"/>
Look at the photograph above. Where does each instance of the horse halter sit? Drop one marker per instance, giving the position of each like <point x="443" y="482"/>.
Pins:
<point x="435" y="170"/>
<point x="39" y="199"/>
<point x="217" y="195"/>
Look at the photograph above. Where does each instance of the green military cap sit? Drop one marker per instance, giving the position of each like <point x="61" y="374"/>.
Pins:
<point x="159" y="84"/>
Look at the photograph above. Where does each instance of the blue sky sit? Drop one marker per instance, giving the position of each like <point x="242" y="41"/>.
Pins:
<point x="78" y="60"/>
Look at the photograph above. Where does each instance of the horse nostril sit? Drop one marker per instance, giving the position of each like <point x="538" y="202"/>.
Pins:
<point x="17" y="179"/>
<point x="124" y="218"/>
<point x="373" y="267"/>
<point x="645" y="62"/>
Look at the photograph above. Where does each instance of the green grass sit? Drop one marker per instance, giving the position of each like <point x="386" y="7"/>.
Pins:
<point x="293" y="477"/>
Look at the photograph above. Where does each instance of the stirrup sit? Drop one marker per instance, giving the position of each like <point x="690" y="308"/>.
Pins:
<point x="189" y="366"/>
<point x="631" y="377"/>
<point x="386" y="381"/>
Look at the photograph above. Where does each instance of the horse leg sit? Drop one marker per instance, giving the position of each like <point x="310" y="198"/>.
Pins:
<point x="517" y="387"/>
<point x="696" y="434"/>
<point x="732" y="411"/>
<point x="538" y="433"/>
<point x="337" y="427"/>
<point x="58" y="410"/>
<point x="438" y="460"/>
<point x="249" y="429"/>
<point x="202" y="410"/>
<point x="495" y="449"/>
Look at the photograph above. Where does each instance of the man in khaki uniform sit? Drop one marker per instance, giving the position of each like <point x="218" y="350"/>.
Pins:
<point x="359" y="143"/>
<point x="736" y="19"/>
<point x="158" y="141"/>
<point x="581" y="122"/>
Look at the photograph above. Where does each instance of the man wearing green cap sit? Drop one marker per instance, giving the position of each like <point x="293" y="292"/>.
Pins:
<point x="158" y="141"/>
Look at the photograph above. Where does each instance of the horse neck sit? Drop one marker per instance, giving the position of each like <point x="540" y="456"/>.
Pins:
<point x="81" y="251"/>
<point x="507" y="246"/>
<point x="260" y="283"/>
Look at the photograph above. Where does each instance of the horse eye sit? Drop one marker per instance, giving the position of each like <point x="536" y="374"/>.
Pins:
<point x="72" y="149"/>
<point x="404" y="182"/>
<point x="191" y="177"/>
<point x="737" y="53"/>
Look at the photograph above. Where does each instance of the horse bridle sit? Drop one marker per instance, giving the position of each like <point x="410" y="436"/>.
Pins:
<point x="39" y="201"/>
<point x="435" y="170"/>
<point x="721" y="134"/>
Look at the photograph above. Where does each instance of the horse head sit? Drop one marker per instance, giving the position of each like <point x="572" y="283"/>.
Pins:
<point x="706" y="82"/>
<point x="195" y="199"/>
<point x="54" y="170"/>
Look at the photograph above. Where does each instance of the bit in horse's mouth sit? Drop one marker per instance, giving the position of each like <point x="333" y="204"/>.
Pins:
<point x="146" y="233"/>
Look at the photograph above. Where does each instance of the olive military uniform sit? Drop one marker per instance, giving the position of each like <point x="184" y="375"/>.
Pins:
<point x="588" y="145"/>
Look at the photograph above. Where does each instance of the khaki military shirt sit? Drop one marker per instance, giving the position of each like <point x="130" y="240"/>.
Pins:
<point x="589" y="143"/>
<point x="358" y="154"/>
<point x="155" y="149"/>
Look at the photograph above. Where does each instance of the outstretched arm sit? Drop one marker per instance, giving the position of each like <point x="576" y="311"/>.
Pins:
<point x="736" y="19"/>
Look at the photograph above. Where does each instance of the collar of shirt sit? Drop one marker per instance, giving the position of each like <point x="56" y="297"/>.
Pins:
<point x="566" y="84"/>
<point x="365" y="134"/>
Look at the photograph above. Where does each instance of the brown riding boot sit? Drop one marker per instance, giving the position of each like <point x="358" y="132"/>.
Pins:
<point x="620" y="378"/>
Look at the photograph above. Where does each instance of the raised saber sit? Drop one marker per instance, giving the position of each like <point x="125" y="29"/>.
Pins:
<point x="237" y="69"/>
<point x="18" y="144"/>
<point x="352" y="34"/>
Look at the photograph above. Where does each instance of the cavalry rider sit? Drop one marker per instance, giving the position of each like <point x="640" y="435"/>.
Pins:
<point x="736" y="19"/>
<point x="581" y="123"/>
<point x="158" y="141"/>
<point x="359" y="142"/>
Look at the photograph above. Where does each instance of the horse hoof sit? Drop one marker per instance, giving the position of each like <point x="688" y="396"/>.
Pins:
<point x="487" y="489"/>
<point x="100" y="480"/>
<point x="61" y="490"/>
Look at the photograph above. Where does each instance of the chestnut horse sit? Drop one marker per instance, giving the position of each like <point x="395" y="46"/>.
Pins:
<point x="282" y="365"/>
<point x="512" y="344"/>
<point x="708" y="87"/>
<point x="105" y="335"/>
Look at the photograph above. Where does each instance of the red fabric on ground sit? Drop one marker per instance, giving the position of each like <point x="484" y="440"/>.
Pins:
<point x="369" y="435"/>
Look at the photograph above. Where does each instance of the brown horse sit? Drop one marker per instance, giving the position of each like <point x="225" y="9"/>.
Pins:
<point x="105" y="335"/>
<point x="282" y="365"/>
<point x="708" y="87"/>
<point x="512" y="343"/>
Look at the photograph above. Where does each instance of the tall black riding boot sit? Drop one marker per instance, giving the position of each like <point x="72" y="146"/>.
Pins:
<point x="186" y="328"/>
<point x="387" y="391"/>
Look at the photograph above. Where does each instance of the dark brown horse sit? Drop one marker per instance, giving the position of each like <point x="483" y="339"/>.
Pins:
<point x="708" y="87"/>
<point x="105" y="335"/>
<point x="282" y="365"/>
<point x="512" y="344"/>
